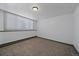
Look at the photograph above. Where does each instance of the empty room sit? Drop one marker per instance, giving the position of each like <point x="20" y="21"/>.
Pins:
<point x="39" y="29"/>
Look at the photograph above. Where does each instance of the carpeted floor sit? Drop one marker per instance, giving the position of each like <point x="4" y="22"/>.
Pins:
<point x="38" y="47"/>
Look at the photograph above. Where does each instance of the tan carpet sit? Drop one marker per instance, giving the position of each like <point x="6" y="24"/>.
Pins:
<point x="38" y="47"/>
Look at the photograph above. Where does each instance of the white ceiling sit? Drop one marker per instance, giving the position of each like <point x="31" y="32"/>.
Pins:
<point x="46" y="10"/>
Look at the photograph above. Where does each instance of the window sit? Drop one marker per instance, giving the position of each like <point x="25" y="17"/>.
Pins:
<point x="14" y="22"/>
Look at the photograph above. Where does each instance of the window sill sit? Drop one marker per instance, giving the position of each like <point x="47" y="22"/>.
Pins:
<point x="16" y="30"/>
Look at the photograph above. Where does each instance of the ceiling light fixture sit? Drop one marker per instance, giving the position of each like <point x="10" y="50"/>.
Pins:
<point x="35" y="8"/>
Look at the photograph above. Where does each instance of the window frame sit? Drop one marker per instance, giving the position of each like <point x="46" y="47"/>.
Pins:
<point x="5" y="22"/>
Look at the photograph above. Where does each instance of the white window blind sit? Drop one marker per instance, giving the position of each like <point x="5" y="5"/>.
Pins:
<point x="14" y="22"/>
